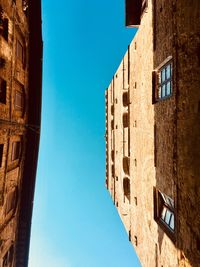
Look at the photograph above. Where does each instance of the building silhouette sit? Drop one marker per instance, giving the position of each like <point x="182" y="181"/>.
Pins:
<point x="153" y="133"/>
<point x="20" y="110"/>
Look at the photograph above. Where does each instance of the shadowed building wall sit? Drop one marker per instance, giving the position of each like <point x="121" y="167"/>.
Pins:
<point x="20" y="109"/>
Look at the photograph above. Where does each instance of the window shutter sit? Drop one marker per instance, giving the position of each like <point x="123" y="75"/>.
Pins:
<point x="19" y="100"/>
<point x="1" y="154"/>
<point x="133" y="12"/>
<point x="154" y="86"/>
<point x="11" y="201"/>
<point x="15" y="150"/>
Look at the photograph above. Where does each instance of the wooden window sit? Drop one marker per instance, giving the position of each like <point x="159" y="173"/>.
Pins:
<point x="1" y="154"/>
<point x="8" y="257"/>
<point x="19" y="100"/>
<point x="164" y="210"/>
<point x="3" y="86"/>
<point x="126" y="188"/>
<point x="11" y="201"/>
<point x="20" y="51"/>
<point x="15" y="150"/>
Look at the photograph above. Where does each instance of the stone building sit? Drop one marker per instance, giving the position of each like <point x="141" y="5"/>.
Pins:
<point x="153" y="133"/>
<point x="20" y="109"/>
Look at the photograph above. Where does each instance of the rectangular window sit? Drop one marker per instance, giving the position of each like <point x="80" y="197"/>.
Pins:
<point x="164" y="212"/>
<point x="19" y="101"/>
<point x="11" y="201"/>
<point x="165" y="81"/>
<point x="3" y="86"/>
<point x="19" y="51"/>
<point x="1" y="154"/>
<point x="15" y="150"/>
<point x="162" y="82"/>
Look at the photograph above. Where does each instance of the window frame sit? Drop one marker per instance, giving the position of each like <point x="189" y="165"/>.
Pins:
<point x="166" y="81"/>
<point x="161" y="202"/>
<point x="11" y="201"/>
<point x="158" y="82"/>
<point x="15" y="145"/>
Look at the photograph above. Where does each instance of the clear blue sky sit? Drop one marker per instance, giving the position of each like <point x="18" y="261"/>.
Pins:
<point x="75" y="223"/>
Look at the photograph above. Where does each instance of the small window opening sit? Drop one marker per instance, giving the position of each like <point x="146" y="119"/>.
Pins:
<point x="3" y="86"/>
<point x="136" y="240"/>
<point x="112" y="124"/>
<point x="125" y="120"/>
<point x="126" y="163"/>
<point x="135" y="161"/>
<point x="126" y="188"/>
<point x="11" y="201"/>
<point x="1" y="154"/>
<point x="15" y="150"/>
<point x="135" y="200"/>
<point x="129" y="235"/>
<point x="125" y="99"/>
<point x="19" y="101"/>
<point x="20" y="51"/>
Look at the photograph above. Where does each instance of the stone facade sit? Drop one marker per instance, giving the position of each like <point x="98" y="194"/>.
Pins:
<point x="153" y="135"/>
<point x="16" y="89"/>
